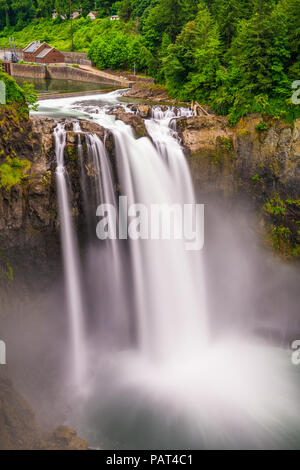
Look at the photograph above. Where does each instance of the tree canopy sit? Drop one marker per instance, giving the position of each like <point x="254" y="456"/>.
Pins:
<point x="237" y="56"/>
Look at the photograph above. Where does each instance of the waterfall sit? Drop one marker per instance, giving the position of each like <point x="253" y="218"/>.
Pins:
<point x="108" y="257"/>
<point x="71" y="261"/>
<point x="158" y="380"/>
<point x="83" y="179"/>
<point x="162" y="129"/>
<point x="171" y="322"/>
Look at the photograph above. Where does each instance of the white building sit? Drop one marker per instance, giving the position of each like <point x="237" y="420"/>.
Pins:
<point x="93" y="15"/>
<point x="114" y="18"/>
<point x="76" y="14"/>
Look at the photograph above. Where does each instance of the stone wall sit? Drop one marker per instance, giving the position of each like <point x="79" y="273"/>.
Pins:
<point x="79" y="58"/>
<point x="28" y="71"/>
<point x="63" y="72"/>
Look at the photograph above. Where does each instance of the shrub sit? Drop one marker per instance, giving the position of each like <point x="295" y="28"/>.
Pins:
<point x="13" y="172"/>
<point x="14" y="92"/>
<point x="261" y="126"/>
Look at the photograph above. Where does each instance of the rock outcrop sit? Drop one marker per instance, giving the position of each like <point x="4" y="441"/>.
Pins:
<point x="19" y="429"/>
<point x="258" y="159"/>
<point x="28" y="211"/>
<point x="151" y="92"/>
<point x="134" y="120"/>
<point x="30" y="259"/>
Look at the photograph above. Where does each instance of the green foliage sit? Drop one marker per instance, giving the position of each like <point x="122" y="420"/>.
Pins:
<point x="284" y="231"/>
<point x="13" y="172"/>
<point x="31" y="96"/>
<point x="282" y="240"/>
<point x="26" y="96"/>
<point x="293" y="202"/>
<point x="114" y="48"/>
<point x="168" y="17"/>
<point x="237" y="56"/>
<point x="256" y="178"/>
<point x="275" y="206"/>
<point x="191" y="63"/>
<point x="261" y="126"/>
<point x="14" y="92"/>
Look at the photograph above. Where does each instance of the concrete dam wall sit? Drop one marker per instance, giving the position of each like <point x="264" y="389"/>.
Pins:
<point x="65" y="72"/>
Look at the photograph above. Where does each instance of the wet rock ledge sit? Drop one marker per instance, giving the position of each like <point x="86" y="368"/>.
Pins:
<point x="19" y="429"/>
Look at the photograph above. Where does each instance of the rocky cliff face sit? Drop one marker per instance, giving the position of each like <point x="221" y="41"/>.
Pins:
<point x="30" y="263"/>
<point x="258" y="160"/>
<point x="19" y="429"/>
<point x="28" y="211"/>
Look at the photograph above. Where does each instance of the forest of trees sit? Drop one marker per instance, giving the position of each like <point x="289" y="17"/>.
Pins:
<point x="238" y="56"/>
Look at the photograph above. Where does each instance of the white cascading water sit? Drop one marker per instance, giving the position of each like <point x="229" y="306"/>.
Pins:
<point x="71" y="262"/>
<point x="235" y="392"/>
<point x="172" y="322"/>
<point x="109" y="259"/>
<point x="83" y="180"/>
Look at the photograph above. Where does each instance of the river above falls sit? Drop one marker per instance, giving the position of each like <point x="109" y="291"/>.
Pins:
<point x="53" y="86"/>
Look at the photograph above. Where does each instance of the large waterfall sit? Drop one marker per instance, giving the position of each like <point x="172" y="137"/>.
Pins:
<point x="71" y="261"/>
<point x="140" y="329"/>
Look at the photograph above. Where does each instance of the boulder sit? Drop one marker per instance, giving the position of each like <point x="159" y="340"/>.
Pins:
<point x="133" y="120"/>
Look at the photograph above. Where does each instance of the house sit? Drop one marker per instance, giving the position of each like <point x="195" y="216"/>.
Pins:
<point x="42" y="53"/>
<point x="93" y="15"/>
<point x="30" y="52"/>
<point x="55" y="15"/>
<point x="114" y="18"/>
<point x="50" y="55"/>
<point x="76" y="14"/>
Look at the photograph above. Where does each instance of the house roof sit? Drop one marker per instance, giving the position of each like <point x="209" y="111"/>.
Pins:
<point x="44" y="52"/>
<point x="34" y="46"/>
<point x="95" y="13"/>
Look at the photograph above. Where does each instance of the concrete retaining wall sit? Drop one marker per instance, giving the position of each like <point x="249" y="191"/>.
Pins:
<point x="63" y="72"/>
<point x="79" y="58"/>
<point x="28" y="71"/>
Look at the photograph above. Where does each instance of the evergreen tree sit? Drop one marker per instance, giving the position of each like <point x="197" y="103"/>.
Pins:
<point x="228" y="14"/>
<point x="44" y="8"/>
<point x="167" y="17"/>
<point x="192" y="62"/>
<point x="290" y="11"/>
<point x="23" y="12"/>
<point x="255" y="80"/>
<point x="4" y="13"/>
